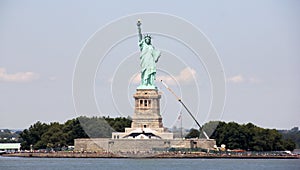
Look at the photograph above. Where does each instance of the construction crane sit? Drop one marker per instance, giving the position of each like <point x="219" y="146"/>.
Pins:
<point x="180" y="101"/>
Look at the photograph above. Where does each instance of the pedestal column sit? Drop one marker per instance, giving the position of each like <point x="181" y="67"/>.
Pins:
<point x="147" y="109"/>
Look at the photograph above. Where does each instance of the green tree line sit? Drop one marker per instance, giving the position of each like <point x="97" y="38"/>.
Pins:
<point x="293" y="134"/>
<point x="56" y="135"/>
<point x="245" y="136"/>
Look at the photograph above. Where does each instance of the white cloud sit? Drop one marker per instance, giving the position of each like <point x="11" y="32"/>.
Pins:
<point x="136" y="79"/>
<point x="185" y="76"/>
<point x="17" y="77"/>
<point x="236" y="79"/>
<point x="243" y="79"/>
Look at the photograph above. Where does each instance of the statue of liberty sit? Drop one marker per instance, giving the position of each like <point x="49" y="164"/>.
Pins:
<point x="148" y="57"/>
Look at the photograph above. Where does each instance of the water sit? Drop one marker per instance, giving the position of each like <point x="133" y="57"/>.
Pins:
<point x="145" y="164"/>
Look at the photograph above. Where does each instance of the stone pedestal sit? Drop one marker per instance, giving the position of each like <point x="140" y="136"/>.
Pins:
<point x="146" y="120"/>
<point x="147" y="110"/>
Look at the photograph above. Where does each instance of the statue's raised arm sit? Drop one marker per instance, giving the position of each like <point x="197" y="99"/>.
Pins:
<point x="139" y="30"/>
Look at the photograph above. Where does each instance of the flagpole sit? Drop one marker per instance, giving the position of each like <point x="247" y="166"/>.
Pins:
<point x="181" y="125"/>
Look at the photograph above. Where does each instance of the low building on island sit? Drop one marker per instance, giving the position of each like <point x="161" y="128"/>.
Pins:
<point x="10" y="147"/>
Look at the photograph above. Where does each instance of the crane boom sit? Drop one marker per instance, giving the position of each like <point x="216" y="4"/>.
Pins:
<point x="190" y="113"/>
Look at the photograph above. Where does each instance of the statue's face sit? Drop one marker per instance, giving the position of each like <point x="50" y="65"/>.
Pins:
<point x="148" y="41"/>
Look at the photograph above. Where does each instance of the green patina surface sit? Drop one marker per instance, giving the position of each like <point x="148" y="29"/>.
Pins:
<point x="148" y="59"/>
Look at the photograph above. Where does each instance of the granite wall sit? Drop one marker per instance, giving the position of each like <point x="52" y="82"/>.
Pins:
<point x="139" y="145"/>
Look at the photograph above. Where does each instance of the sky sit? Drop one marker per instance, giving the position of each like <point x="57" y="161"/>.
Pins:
<point x="257" y="43"/>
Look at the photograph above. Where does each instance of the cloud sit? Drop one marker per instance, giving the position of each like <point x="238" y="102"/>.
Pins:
<point x="136" y="78"/>
<point x="254" y="80"/>
<point x="242" y="79"/>
<point x="185" y="76"/>
<point x="236" y="79"/>
<point x="17" y="77"/>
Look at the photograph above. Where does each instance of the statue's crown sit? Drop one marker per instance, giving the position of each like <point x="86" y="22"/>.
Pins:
<point x="147" y="36"/>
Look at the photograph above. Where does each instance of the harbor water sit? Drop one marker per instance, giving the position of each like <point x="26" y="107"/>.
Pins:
<point x="13" y="163"/>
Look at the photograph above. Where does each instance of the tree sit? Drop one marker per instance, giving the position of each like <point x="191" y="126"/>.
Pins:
<point x="72" y="129"/>
<point x="54" y="137"/>
<point x="250" y="137"/>
<point x="194" y="133"/>
<point x="33" y="134"/>
<point x="119" y="124"/>
<point x="292" y="135"/>
<point x="209" y="128"/>
<point x="96" y="127"/>
<point x="289" y="144"/>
